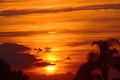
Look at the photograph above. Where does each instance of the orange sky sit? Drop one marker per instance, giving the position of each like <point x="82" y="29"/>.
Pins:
<point x="66" y="26"/>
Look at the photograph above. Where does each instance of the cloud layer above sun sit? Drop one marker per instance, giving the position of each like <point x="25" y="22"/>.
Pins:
<point x="69" y="9"/>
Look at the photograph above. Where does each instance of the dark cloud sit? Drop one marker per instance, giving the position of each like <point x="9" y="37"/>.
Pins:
<point x="47" y="49"/>
<point x="21" y="33"/>
<point x="7" y="1"/>
<point x="69" y="9"/>
<point x="2" y="1"/>
<point x="15" y="55"/>
<point x="75" y="44"/>
<point x="43" y="63"/>
<point x="93" y="30"/>
<point x="79" y="52"/>
<point x="64" y="59"/>
<point x="105" y="19"/>
<point x="101" y="19"/>
<point x="68" y="58"/>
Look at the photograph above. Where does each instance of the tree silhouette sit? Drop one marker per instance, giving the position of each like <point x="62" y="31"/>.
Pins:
<point x="102" y="60"/>
<point x="116" y="63"/>
<point x="4" y="71"/>
<point x="86" y="69"/>
<point x="7" y="74"/>
<point x="106" y="54"/>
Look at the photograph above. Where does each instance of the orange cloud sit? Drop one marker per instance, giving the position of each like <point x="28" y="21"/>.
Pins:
<point x="68" y="9"/>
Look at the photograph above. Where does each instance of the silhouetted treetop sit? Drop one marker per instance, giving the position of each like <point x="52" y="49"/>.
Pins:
<point x="101" y="61"/>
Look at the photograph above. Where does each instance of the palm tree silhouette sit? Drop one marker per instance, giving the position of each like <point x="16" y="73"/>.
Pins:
<point x="116" y="63"/>
<point x="106" y="54"/>
<point x="102" y="61"/>
<point x="86" y="69"/>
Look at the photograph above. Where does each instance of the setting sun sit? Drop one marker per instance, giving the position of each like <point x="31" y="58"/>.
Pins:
<point x="50" y="69"/>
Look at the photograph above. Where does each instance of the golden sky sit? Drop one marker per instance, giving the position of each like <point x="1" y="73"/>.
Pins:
<point x="47" y="15"/>
<point x="67" y="26"/>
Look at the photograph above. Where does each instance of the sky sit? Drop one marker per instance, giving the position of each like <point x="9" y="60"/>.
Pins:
<point x="63" y="29"/>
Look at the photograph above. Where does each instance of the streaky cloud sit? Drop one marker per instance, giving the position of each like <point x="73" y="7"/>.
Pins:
<point x="7" y="1"/>
<point x="66" y="31"/>
<point x="68" y="9"/>
<point x="92" y="31"/>
<point x="21" y="33"/>
<point x="43" y="64"/>
<point x="76" y="44"/>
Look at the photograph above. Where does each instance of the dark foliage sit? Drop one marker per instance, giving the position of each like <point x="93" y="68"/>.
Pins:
<point x="102" y="62"/>
<point x="7" y="74"/>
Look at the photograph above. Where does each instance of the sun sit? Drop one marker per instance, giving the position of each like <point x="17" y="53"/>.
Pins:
<point x="50" y="69"/>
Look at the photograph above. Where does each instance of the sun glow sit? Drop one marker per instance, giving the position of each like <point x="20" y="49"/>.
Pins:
<point x="52" y="58"/>
<point x="50" y="69"/>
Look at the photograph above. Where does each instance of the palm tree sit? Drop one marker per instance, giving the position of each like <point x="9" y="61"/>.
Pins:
<point x="101" y="61"/>
<point x="116" y="63"/>
<point x="86" y="69"/>
<point x="106" y="54"/>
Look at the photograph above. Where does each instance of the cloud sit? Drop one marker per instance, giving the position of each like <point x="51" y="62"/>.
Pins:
<point x="21" y="33"/>
<point x="43" y="63"/>
<point x="15" y="56"/>
<point x="3" y="1"/>
<point x="68" y="58"/>
<point x="6" y="1"/>
<point x="64" y="59"/>
<point x="66" y="31"/>
<point x="75" y="44"/>
<point x="69" y="9"/>
<point x="101" y="19"/>
<point x="92" y="31"/>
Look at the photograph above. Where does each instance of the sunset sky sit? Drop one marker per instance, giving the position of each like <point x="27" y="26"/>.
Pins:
<point x="67" y="27"/>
